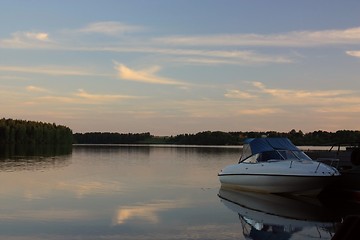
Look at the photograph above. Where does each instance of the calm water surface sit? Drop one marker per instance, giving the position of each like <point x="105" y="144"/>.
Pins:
<point x="144" y="192"/>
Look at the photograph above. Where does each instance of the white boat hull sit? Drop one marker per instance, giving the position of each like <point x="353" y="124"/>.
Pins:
<point x="305" y="178"/>
<point x="277" y="184"/>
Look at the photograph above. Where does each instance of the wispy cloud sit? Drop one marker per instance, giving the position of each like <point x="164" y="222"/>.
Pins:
<point x="36" y="89"/>
<point x="217" y="109"/>
<point x="51" y="70"/>
<point x="40" y="36"/>
<point x="145" y="75"/>
<point x="79" y="97"/>
<point x="12" y="77"/>
<point x="223" y="55"/>
<point x="42" y="40"/>
<point x="160" y="45"/>
<point x="302" y="94"/>
<point x="202" y="56"/>
<point x="346" y="109"/>
<point x="239" y="94"/>
<point x="101" y="97"/>
<point x="212" y="57"/>
<point x="277" y="100"/>
<point x="353" y="53"/>
<point x="294" y="39"/>
<point x="110" y="28"/>
<point x="176" y="53"/>
<point x="260" y="111"/>
<point x="49" y="99"/>
<point x="68" y="41"/>
<point x="28" y="40"/>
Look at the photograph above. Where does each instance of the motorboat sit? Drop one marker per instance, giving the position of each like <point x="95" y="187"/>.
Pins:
<point x="276" y="165"/>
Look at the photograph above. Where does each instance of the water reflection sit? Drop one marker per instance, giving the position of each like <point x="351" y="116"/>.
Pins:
<point x="122" y="192"/>
<point x="143" y="212"/>
<point x="113" y="148"/>
<point x="146" y="149"/>
<point x="269" y="216"/>
<point x="33" y="157"/>
<point x="33" y="164"/>
<point x="25" y="150"/>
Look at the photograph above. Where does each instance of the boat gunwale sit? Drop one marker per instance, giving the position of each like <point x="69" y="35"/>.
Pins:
<point x="271" y="174"/>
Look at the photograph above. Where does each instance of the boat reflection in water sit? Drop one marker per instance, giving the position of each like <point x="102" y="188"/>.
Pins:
<point x="271" y="216"/>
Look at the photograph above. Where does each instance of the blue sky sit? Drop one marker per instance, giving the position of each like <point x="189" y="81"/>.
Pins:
<point x="171" y="67"/>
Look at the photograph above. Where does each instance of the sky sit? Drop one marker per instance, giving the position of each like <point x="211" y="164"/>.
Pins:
<point x="181" y="66"/>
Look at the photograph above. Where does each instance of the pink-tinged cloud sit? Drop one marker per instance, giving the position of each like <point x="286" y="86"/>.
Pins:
<point x="36" y="89"/>
<point x="353" y="53"/>
<point x="100" y="97"/>
<point x="239" y="94"/>
<point x="110" y="28"/>
<point x="145" y="75"/>
<point x="287" y="39"/>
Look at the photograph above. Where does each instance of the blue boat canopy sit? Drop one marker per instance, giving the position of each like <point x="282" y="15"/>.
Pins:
<point x="258" y="145"/>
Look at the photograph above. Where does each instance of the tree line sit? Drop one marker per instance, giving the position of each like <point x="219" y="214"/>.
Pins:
<point x="22" y="132"/>
<point x="316" y="138"/>
<point x="111" y="138"/>
<point x="13" y="131"/>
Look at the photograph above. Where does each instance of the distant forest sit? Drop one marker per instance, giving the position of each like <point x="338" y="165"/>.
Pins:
<point x="112" y="138"/>
<point x="316" y="138"/>
<point x="21" y="132"/>
<point x="30" y="132"/>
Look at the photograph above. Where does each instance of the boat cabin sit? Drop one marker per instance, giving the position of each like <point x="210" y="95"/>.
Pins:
<point x="257" y="150"/>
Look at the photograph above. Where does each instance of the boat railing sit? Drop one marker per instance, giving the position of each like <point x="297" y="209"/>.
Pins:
<point x="333" y="162"/>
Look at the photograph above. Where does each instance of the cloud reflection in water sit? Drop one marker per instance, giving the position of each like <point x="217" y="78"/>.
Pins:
<point x="146" y="212"/>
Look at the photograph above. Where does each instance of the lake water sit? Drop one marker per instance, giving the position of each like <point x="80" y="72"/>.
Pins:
<point x="145" y="192"/>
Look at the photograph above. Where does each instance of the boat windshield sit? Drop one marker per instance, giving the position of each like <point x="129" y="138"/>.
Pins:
<point x="301" y="155"/>
<point x="276" y="155"/>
